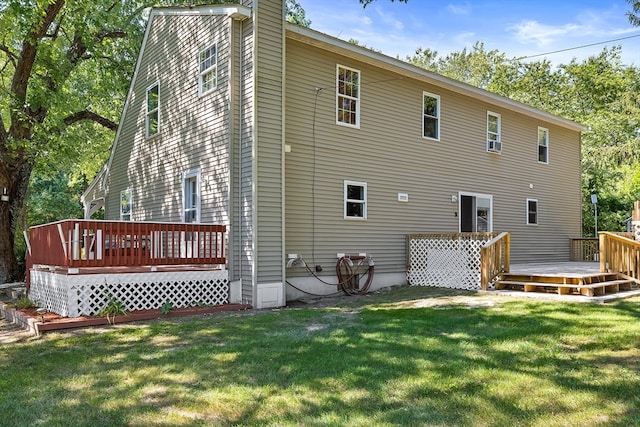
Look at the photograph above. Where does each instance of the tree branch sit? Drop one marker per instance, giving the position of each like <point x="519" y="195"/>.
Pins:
<point x="12" y="56"/>
<point x="90" y="115"/>
<point x="29" y="48"/>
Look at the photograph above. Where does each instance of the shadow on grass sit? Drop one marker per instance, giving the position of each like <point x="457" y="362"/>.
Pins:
<point x="519" y="363"/>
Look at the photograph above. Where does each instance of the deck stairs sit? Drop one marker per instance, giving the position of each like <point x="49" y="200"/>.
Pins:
<point x="590" y="285"/>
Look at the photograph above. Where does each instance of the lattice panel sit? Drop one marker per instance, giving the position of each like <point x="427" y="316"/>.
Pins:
<point x="88" y="294"/>
<point x="636" y="230"/>
<point x="48" y="292"/>
<point x="446" y="263"/>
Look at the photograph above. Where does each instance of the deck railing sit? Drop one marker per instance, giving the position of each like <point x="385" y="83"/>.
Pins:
<point x="584" y="249"/>
<point x="495" y="258"/>
<point x="84" y="243"/>
<point x="620" y="254"/>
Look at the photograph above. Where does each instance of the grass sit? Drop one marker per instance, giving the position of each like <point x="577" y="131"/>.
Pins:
<point x="412" y="356"/>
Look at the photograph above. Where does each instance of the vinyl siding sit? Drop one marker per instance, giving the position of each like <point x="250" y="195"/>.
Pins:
<point x="194" y="129"/>
<point x="246" y="196"/>
<point x="269" y="57"/>
<point x="390" y="155"/>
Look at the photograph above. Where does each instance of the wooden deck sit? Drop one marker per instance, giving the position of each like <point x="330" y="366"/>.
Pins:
<point x="571" y="278"/>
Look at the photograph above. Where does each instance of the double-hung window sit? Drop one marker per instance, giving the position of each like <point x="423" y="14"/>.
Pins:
<point x="532" y="212"/>
<point x="191" y="196"/>
<point x="543" y="145"/>
<point x="348" y="96"/>
<point x="355" y="200"/>
<point x="430" y="115"/>
<point x="494" y="140"/>
<point x="125" y="205"/>
<point x="153" y="110"/>
<point x="208" y="60"/>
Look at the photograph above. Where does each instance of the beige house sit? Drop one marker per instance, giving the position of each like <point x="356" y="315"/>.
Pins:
<point x="308" y="147"/>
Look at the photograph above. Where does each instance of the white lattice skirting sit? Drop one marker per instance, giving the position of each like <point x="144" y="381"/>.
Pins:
<point x="445" y="263"/>
<point x="88" y="294"/>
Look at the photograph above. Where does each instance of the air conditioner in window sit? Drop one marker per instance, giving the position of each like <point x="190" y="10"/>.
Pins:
<point x="494" y="146"/>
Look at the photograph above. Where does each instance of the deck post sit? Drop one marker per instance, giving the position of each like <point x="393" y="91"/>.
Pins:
<point x="507" y="252"/>
<point x="635" y="220"/>
<point x="603" y="252"/>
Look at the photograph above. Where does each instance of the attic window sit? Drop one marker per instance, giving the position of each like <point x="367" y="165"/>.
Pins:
<point x="348" y="96"/>
<point x="153" y="109"/>
<point x="208" y="60"/>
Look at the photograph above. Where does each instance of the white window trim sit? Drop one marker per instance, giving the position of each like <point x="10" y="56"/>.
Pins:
<point x="194" y="173"/>
<point x="476" y="195"/>
<point x="437" y="97"/>
<point x="149" y="113"/>
<point x="538" y="144"/>
<point x="201" y="74"/>
<point x="363" y="201"/>
<point x="498" y="142"/>
<point x="537" y="212"/>
<point x="123" y="192"/>
<point x="357" y="99"/>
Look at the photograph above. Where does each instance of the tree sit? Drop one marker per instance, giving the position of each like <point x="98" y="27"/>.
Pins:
<point x="64" y="70"/>
<point x="296" y="14"/>
<point x="634" y="14"/>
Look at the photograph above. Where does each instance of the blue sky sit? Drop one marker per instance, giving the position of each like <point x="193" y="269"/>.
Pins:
<point x="517" y="28"/>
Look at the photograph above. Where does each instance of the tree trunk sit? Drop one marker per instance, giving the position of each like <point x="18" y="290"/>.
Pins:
<point x="15" y="180"/>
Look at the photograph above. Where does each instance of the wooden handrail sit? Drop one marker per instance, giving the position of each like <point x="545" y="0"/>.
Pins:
<point x="84" y="243"/>
<point x="495" y="258"/>
<point x="619" y="254"/>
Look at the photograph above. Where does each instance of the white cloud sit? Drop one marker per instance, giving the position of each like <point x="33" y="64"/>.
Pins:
<point x="389" y="19"/>
<point x="459" y="9"/>
<point x="530" y="31"/>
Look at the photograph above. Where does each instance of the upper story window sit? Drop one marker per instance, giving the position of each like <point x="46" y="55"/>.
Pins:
<point x="153" y="110"/>
<point x="532" y="212"/>
<point x="208" y="60"/>
<point x="125" y="205"/>
<point x="430" y="116"/>
<point x="543" y="145"/>
<point x="355" y="200"/>
<point x="348" y="96"/>
<point x="494" y="140"/>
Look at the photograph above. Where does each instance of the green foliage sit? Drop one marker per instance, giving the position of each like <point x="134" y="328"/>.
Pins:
<point x="112" y="309"/>
<point x="296" y="14"/>
<point x="166" y="307"/>
<point x="24" y="302"/>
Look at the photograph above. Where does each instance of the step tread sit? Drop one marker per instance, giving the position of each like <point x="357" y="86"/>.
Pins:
<point x="566" y="285"/>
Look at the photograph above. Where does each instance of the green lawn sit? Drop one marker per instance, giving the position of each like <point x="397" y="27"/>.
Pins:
<point x="411" y="356"/>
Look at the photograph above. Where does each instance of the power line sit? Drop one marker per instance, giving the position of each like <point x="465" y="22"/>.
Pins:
<point x="577" y="47"/>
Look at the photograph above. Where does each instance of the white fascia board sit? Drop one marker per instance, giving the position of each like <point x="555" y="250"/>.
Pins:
<point x="326" y="42"/>
<point x="237" y="12"/>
